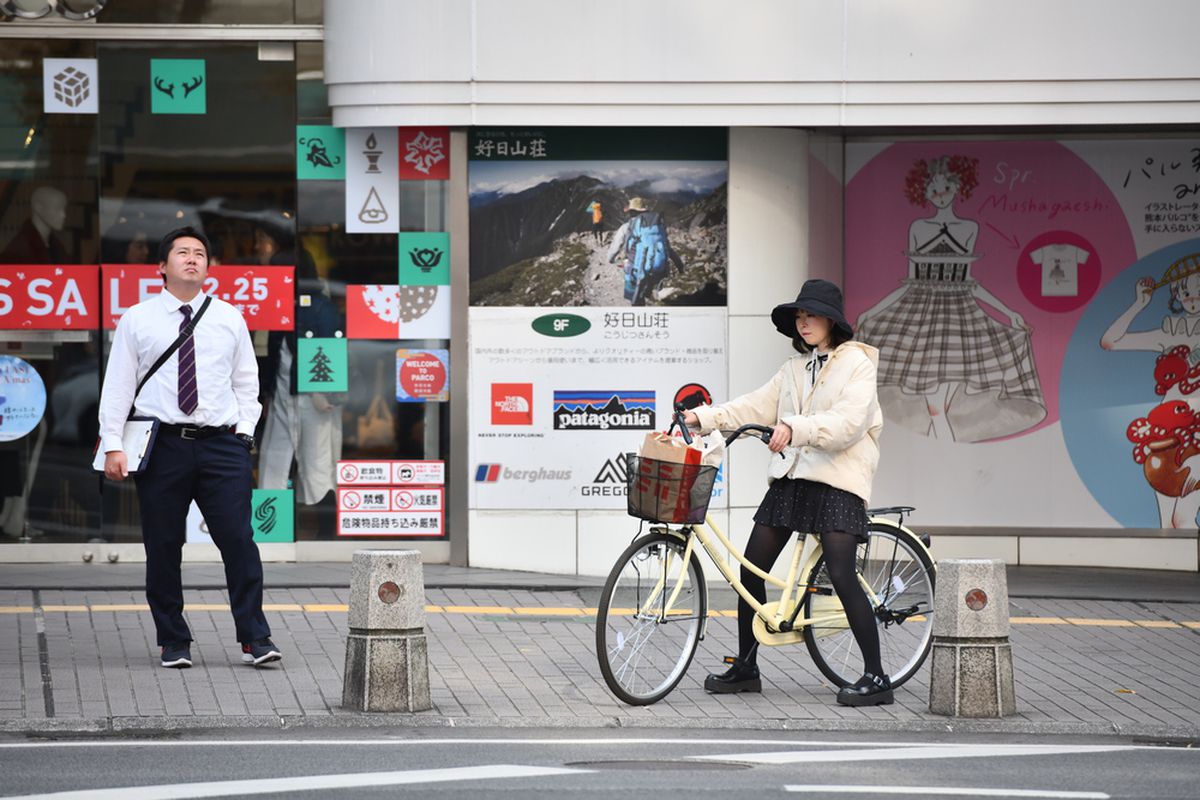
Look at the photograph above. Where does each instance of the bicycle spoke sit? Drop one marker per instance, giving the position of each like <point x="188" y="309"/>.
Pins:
<point x="644" y="654"/>
<point x="900" y="578"/>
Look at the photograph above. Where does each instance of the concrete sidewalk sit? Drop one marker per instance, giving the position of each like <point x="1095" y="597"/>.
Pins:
<point x="513" y="649"/>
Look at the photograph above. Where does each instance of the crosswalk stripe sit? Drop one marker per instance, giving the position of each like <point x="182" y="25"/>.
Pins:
<point x="956" y="791"/>
<point x="305" y="783"/>
<point x="910" y="753"/>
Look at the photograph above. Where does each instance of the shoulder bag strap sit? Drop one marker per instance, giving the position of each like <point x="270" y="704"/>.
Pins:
<point x="175" y="345"/>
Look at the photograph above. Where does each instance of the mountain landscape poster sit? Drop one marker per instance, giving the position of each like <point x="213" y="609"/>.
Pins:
<point x="599" y="217"/>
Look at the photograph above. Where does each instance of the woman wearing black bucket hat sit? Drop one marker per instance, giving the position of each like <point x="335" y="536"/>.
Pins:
<point x="825" y="410"/>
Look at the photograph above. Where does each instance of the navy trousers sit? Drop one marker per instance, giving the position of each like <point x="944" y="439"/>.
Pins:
<point x="215" y="472"/>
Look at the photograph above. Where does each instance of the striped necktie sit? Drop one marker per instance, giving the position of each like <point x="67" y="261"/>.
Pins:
<point x="188" y="392"/>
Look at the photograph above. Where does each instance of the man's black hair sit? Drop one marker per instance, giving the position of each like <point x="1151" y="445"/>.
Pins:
<point x="164" y="247"/>
<point x="837" y="338"/>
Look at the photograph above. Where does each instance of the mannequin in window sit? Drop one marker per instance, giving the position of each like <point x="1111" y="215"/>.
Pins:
<point x="305" y="426"/>
<point x="36" y="241"/>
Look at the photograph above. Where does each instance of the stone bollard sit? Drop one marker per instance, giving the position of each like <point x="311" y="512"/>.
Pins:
<point x="387" y="660"/>
<point x="972" y="672"/>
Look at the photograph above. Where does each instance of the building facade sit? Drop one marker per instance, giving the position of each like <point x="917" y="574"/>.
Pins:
<point x="438" y="202"/>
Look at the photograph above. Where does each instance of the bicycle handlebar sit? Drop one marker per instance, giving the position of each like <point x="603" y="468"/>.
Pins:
<point x="762" y="432"/>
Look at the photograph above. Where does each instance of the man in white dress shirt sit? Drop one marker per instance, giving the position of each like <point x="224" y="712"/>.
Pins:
<point x="206" y="398"/>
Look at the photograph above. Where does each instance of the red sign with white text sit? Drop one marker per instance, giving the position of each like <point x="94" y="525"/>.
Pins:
<point x="49" y="298"/>
<point x="264" y="295"/>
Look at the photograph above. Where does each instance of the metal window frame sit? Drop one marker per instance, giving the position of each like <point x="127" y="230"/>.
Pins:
<point x="175" y="33"/>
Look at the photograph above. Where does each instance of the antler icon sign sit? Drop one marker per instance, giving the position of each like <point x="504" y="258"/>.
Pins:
<point x="188" y="88"/>
<point x="166" y="88"/>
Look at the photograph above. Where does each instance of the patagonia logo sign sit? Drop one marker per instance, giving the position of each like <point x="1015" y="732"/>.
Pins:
<point x="603" y="410"/>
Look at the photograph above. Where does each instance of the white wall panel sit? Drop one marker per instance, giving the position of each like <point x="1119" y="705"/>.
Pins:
<point x="761" y="62"/>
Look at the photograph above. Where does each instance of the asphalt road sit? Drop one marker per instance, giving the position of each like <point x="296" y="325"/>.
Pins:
<point x="550" y="764"/>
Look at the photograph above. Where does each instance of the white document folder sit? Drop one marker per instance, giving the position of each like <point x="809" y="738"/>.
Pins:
<point x="136" y="440"/>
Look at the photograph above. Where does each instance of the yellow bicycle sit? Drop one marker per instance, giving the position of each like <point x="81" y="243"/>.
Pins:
<point x="653" y="610"/>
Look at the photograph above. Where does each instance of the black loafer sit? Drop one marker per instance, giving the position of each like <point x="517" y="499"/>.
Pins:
<point x="871" y="690"/>
<point x="740" y="677"/>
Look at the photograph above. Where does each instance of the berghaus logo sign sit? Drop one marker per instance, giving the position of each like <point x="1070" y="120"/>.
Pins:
<point x="561" y="325"/>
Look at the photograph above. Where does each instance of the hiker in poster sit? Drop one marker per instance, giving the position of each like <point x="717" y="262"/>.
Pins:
<point x="947" y="368"/>
<point x="597" y="212"/>
<point x="643" y="242"/>
<point x="1167" y="439"/>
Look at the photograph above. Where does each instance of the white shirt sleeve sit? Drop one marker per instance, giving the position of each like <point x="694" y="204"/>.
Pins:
<point x="1037" y="255"/>
<point x="120" y="384"/>
<point x="618" y="242"/>
<point x="1081" y="255"/>
<point x="245" y="381"/>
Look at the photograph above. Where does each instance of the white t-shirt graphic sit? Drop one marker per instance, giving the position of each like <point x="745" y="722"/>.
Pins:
<point x="1060" y="268"/>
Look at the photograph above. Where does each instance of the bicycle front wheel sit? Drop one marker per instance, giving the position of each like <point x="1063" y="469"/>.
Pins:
<point x="901" y="575"/>
<point x="650" y="619"/>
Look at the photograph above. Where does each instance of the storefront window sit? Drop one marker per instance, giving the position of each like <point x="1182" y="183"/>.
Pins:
<point x="145" y="137"/>
<point x="366" y="422"/>
<point x="49" y="244"/>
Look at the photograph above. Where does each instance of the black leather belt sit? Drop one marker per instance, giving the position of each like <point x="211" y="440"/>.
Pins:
<point x="193" y="431"/>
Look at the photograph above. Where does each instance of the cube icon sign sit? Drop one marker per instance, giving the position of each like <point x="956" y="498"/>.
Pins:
<point x="69" y="86"/>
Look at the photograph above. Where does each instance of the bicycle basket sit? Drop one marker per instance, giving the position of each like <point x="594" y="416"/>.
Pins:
<point x="663" y="491"/>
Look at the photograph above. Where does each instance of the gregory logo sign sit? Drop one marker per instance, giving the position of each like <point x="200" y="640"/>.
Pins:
<point x="610" y="481"/>
<point x="492" y="473"/>
<point x="601" y="410"/>
<point x="512" y="403"/>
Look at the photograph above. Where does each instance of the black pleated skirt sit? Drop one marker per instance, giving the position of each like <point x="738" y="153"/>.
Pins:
<point x="811" y="507"/>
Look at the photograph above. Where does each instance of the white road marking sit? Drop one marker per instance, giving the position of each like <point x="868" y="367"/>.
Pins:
<point x="947" y="790"/>
<point x="727" y="742"/>
<point x="305" y="783"/>
<point x="913" y="753"/>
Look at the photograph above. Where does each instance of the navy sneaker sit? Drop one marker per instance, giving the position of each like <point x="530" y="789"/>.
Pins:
<point x="177" y="656"/>
<point x="259" y="652"/>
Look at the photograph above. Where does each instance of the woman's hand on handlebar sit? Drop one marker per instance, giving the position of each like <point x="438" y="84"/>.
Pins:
<point x="781" y="437"/>
<point x="690" y="419"/>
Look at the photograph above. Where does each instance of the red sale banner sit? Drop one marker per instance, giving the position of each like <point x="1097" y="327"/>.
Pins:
<point x="264" y="295"/>
<point x="53" y="298"/>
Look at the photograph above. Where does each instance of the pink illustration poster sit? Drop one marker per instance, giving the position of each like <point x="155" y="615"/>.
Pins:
<point x="1000" y="282"/>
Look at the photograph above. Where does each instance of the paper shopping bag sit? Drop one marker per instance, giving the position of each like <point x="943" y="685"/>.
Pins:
<point x="661" y="447"/>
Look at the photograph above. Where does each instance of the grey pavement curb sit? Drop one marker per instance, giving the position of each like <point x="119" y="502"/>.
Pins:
<point x="162" y="725"/>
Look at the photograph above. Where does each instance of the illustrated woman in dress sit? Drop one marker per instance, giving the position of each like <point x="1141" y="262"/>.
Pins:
<point x="1165" y="440"/>
<point x="947" y="368"/>
<point x="825" y="413"/>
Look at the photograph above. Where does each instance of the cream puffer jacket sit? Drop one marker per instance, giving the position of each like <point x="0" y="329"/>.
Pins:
<point x="835" y="437"/>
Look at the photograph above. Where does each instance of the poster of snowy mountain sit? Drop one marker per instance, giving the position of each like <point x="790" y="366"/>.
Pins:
<point x="603" y="217"/>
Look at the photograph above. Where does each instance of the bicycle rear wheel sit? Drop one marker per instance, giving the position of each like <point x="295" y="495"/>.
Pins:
<point x="901" y="574"/>
<point x="644" y="646"/>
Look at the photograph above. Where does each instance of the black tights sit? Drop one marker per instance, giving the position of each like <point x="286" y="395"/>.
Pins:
<point x="765" y="545"/>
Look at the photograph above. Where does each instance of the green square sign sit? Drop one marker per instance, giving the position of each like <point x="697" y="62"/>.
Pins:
<point x="321" y="365"/>
<point x="178" y="86"/>
<point x="424" y="259"/>
<point x="320" y="153"/>
<point x="272" y="515"/>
